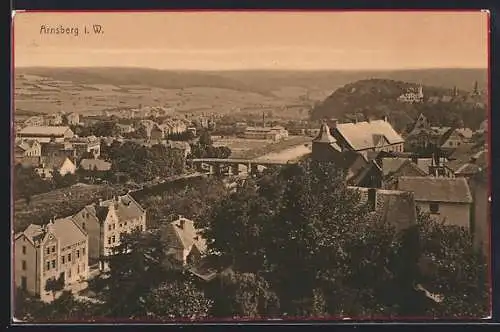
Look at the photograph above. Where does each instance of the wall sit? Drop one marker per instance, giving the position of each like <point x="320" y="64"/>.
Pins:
<point x="31" y="265"/>
<point x="93" y="228"/>
<point x="455" y="214"/>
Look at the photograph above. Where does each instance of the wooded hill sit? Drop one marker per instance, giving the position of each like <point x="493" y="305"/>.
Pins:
<point x="375" y="98"/>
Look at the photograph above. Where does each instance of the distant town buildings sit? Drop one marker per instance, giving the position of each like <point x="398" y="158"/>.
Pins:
<point x="413" y="95"/>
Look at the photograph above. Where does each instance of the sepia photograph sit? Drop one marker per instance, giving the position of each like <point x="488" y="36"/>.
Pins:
<point x="242" y="166"/>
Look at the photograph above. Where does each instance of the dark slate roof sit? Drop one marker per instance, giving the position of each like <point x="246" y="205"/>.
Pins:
<point x="437" y="189"/>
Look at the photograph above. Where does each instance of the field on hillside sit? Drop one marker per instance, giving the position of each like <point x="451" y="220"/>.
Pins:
<point x="59" y="203"/>
<point x="46" y="95"/>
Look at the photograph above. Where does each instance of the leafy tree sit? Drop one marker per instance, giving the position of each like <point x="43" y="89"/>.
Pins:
<point x="135" y="268"/>
<point x="27" y="183"/>
<point x="54" y="285"/>
<point x="455" y="269"/>
<point x="176" y="299"/>
<point x="205" y="138"/>
<point x="242" y="295"/>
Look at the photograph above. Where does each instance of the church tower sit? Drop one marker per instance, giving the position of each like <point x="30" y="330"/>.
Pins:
<point x="476" y="92"/>
<point x="324" y="146"/>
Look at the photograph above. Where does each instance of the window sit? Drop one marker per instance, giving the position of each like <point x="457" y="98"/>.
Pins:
<point x="142" y="228"/>
<point x="24" y="250"/>
<point x="109" y="240"/>
<point x="24" y="265"/>
<point x="48" y="265"/>
<point x="69" y="273"/>
<point x="121" y="225"/>
<point x="125" y="224"/>
<point x="53" y="263"/>
<point x="113" y="239"/>
<point x="83" y="226"/>
<point x="78" y="269"/>
<point x="48" y="250"/>
<point x="24" y="283"/>
<point x="83" y="251"/>
<point x="69" y="257"/>
<point x="109" y="227"/>
<point x="78" y="254"/>
<point x="63" y="259"/>
<point x="434" y="208"/>
<point x="53" y="249"/>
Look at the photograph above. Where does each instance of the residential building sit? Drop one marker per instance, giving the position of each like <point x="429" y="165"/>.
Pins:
<point x="372" y="135"/>
<point x="44" y="134"/>
<point x="466" y="133"/>
<point x="446" y="199"/>
<point x="105" y="221"/>
<point x="125" y="128"/>
<point x="156" y="132"/>
<point x="73" y="119"/>
<point x="27" y="148"/>
<point x="58" y="149"/>
<point x="58" y="249"/>
<point x="450" y="139"/>
<point x="61" y="164"/>
<point x="86" y="146"/>
<point x="479" y="185"/>
<point x="183" y="242"/>
<point x="393" y="207"/>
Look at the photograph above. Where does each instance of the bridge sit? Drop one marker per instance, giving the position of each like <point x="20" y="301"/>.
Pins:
<point x="232" y="166"/>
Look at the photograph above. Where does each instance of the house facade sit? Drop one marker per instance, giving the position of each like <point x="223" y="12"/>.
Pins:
<point x="106" y="221"/>
<point x="183" y="242"/>
<point x="451" y="139"/>
<point x="63" y="165"/>
<point x="447" y="200"/>
<point x="56" y="250"/>
<point x="28" y="148"/>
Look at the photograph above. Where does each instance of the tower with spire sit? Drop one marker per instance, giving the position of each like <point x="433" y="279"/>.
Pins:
<point x="475" y="91"/>
<point x="324" y="146"/>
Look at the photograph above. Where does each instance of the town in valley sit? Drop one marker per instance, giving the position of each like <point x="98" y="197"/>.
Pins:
<point x="147" y="195"/>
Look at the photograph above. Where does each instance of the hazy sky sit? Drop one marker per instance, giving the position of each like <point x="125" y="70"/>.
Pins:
<point x="250" y="40"/>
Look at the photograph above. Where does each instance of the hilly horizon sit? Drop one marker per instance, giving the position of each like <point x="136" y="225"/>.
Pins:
<point x="259" y="81"/>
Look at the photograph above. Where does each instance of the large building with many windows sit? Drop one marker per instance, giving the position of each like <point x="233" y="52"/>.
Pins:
<point x="44" y="253"/>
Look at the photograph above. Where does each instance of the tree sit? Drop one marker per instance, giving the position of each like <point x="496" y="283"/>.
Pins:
<point x="54" y="285"/>
<point x="135" y="268"/>
<point x="176" y="299"/>
<point x="320" y="250"/>
<point x="205" y="138"/>
<point x="455" y="270"/>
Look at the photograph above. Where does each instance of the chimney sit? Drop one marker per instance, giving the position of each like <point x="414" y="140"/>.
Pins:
<point x="372" y="198"/>
<point x="333" y="123"/>
<point x="182" y="222"/>
<point x="385" y="118"/>
<point x="263" y="119"/>
<point x="100" y="201"/>
<point x="414" y="158"/>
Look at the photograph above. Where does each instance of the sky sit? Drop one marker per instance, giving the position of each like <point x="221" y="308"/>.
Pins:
<point x="254" y="40"/>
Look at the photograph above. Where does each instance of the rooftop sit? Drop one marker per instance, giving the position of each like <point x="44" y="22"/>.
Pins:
<point x="95" y="164"/>
<point x="366" y="134"/>
<point x="44" y="130"/>
<point x="437" y="189"/>
<point x="181" y="233"/>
